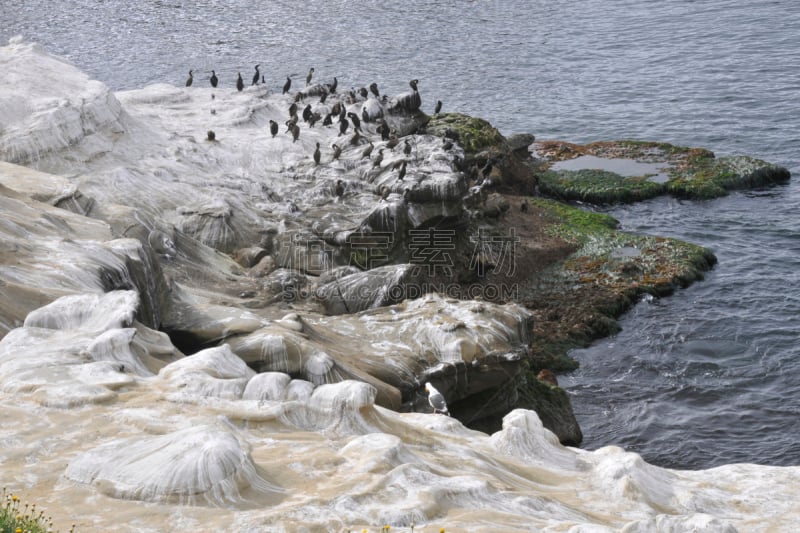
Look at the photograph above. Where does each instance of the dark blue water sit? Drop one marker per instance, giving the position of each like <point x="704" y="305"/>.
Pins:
<point x="708" y="376"/>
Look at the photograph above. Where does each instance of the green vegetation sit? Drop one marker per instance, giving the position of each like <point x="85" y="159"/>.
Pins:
<point x="694" y="173"/>
<point x="18" y="518"/>
<point x="707" y="177"/>
<point x="573" y="224"/>
<point x="579" y="299"/>
<point x="473" y="134"/>
<point x="598" y="186"/>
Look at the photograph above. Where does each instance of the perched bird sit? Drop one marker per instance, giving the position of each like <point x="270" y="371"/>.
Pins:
<point x="438" y="107"/>
<point x="337" y="151"/>
<point x="287" y="85"/>
<point x="256" y="76"/>
<point x="189" y="81"/>
<point x="367" y="151"/>
<point x="214" y="79"/>
<point x="385" y="192"/>
<point x="402" y="173"/>
<point x="356" y="138"/>
<point x="317" y="155"/>
<point x="310" y="74"/>
<point x="523" y="207"/>
<point x="363" y="92"/>
<point x="436" y="400"/>
<point x="354" y="119"/>
<point x="239" y="83"/>
<point x="364" y="114"/>
<point x="384" y="130"/>
<point x="307" y="113"/>
<point x="323" y="97"/>
<point x="328" y="120"/>
<point x="333" y="86"/>
<point x="373" y="87"/>
<point x="343" y="126"/>
<point x="293" y="110"/>
<point x="295" y="132"/>
<point x="313" y="119"/>
<point x="339" y="190"/>
<point x="273" y="128"/>
<point x="336" y="109"/>
<point x="413" y="84"/>
<point x="406" y="147"/>
<point x="378" y="159"/>
<point x="447" y="144"/>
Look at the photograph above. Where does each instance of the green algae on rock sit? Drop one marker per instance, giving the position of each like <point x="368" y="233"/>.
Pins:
<point x="577" y="300"/>
<point x="630" y="171"/>
<point x="473" y="134"/>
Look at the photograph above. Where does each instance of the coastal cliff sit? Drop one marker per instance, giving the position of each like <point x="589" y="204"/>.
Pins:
<point x="171" y="262"/>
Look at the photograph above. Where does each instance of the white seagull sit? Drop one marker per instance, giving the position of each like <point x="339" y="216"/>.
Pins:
<point x="436" y="400"/>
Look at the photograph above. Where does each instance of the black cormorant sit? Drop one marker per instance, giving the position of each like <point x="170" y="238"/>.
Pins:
<point x="402" y="173"/>
<point x="273" y="128"/>
<point x="239" y="82"/>
<point x="354" y="119"/>
<point x="373" y="87"/>
<point x="214" y="79"/>
<point x="317" y="155"/>
<point x="337" y="151"/>
<point x="287" y="85"/>
<point x="310" y="74"/>
<point x="189" y="81"/>
<point x="367" y="151"/>
<point x="343" y="126"/>
<point x="438" y="107"/>
<point x="256" y="76"/>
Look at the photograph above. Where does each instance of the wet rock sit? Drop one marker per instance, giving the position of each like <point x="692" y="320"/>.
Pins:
<point x="520" y="142"/>
<point x="264" y="267"/>
<point x="250" y="257"/>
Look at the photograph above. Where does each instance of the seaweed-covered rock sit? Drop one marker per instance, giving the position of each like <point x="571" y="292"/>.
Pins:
<point x="630" y="171"/>
<point x="473" y="134"/>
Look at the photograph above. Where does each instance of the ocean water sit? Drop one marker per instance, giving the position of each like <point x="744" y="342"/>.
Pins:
<point x="706" y="377"/>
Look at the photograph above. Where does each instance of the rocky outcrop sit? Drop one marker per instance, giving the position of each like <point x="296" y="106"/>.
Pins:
<point x="630" y="171"/>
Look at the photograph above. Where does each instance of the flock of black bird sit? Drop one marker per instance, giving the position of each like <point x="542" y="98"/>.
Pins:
<point x="339" y="113"/>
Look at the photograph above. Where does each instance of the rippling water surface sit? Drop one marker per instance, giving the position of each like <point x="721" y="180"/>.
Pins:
<point x="706" y="377"/>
